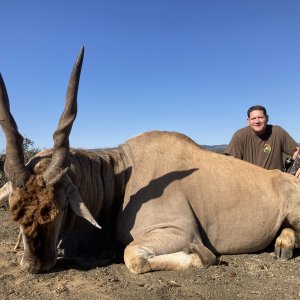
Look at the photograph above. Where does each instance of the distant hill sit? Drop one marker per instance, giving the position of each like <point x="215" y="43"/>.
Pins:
<point x="215" y="148"/>
<point x="221" y="148"/>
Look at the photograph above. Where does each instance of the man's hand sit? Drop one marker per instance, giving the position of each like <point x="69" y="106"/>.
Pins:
<point x="294" y="157"/>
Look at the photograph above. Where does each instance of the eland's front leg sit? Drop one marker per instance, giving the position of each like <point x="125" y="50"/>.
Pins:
<point x="140" y="258"/>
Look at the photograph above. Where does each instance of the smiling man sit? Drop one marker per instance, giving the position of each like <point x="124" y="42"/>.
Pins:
<point x="261" y="143"/>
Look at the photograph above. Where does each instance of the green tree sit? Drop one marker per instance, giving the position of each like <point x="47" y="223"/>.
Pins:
<point x="29" y="149"/>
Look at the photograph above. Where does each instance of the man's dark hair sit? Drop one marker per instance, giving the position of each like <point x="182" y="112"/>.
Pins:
<point x="257" y="107"/>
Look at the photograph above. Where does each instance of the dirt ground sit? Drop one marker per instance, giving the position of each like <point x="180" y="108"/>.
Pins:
<point x="248" y="276"/>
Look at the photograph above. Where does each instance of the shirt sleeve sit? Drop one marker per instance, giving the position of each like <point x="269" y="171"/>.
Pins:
<point x="235" y="148"/>
<point x="288" y="144"/>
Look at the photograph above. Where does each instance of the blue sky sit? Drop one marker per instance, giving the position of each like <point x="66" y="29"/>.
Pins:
<point x="188" y="66"/>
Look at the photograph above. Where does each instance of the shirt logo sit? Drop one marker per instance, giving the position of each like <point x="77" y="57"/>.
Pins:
<point x="267" y="148"/>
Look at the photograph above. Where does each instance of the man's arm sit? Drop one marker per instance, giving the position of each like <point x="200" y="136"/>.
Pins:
<point x="234" y="147"/>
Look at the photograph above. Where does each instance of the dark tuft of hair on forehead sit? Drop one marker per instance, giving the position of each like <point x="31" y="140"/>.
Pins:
<point x="33" y="205"/>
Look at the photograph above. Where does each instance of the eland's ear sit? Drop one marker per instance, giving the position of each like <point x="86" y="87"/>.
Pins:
<point x="5" y="192"/>
<point x="76" y="202"/>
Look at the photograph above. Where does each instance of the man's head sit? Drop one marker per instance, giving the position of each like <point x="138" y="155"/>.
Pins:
<point x="257" y="119"/>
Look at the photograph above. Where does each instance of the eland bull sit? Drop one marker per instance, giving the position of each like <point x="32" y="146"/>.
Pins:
<point x="172" y="204"/>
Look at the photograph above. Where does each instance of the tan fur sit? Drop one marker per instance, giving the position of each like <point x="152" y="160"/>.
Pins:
<point x="33" y="205"/>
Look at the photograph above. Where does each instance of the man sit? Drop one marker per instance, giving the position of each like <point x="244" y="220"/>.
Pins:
<point x="261" y="143"/>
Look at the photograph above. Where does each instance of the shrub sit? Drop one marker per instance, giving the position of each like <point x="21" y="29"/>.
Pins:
<point x="29" y="151"/>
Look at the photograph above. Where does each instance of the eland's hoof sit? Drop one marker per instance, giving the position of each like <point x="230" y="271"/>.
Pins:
<point x="283" y="254"/>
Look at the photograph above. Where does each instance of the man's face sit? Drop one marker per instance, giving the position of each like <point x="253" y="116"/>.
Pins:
<point x="257" y="121"/>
